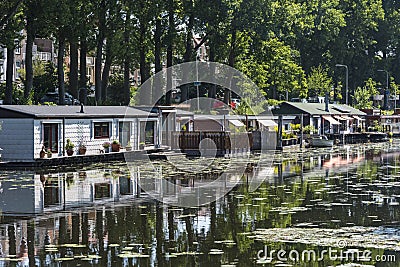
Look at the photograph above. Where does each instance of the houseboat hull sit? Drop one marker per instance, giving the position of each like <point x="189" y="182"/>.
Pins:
<point x="318" y="142"/>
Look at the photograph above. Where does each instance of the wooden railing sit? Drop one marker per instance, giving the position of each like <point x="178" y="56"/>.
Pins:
<point x="224" y="141"/>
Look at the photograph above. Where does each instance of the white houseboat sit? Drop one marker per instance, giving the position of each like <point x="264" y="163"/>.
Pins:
<point x="25" y="130"/>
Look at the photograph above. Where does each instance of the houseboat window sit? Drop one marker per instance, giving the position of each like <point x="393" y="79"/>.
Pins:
<point x="124" y="133"/>
<point x="147" y="132"/>
<point x="101" y="130"/>
<point x="50" y="137"/>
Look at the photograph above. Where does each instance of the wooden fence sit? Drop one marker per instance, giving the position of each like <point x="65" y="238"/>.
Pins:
<point x="224" y="142"/>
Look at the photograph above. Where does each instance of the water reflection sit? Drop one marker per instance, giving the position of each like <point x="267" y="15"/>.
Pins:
<point x="101" y="217"/>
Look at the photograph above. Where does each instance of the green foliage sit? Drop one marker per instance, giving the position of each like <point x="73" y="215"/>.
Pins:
<point x="18" y="92"/>
<point x="69" y="145"/>
<point x="44" y="79"/>
<point x="275" y="43"/>
<point x="363" y="98"/>
<point x="272" y="103"/>
<point x="295" y="127"/>
<point x="363" y="94"/>
<point x="309" y="129"/>
<point x="115" y="91"/>
<point x="289" y="135"/>
<point x="244" y="108"/>
<point x="318" y="81"/>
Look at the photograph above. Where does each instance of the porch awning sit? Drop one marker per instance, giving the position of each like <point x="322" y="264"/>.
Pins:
<point x="358" y="118"/>
<point x="237" y="123"/>
<point x="268" y="123"/>
<point x="331" y="120"/>
<point x="347" y="118"/>
<point x="340" y="118"/>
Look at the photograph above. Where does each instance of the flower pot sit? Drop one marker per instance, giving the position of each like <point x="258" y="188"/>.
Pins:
<point x="128" y="148"/>
<point x="107" y="150"/>
<point x="70" y="152"/>
<point x="141" y="146"/>
<point x="82" y="150"/>
<point x="49" y="156"/>
<point x="115" y="147"/>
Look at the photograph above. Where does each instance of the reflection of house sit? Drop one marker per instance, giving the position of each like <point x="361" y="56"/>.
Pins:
<point x="326" y="118"/>
<point x="46" y="192"/>
<point x="25" y="129"/>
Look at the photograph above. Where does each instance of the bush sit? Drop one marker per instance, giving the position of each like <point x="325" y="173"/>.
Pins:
<point x="308" y="129"/>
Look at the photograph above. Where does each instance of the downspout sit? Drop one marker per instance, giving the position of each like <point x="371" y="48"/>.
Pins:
<point x="63" y="149"/>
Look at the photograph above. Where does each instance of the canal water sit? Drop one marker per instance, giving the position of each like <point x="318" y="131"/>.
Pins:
<point x="320" y="207"/>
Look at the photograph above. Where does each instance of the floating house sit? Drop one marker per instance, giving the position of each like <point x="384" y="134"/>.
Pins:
<point x="25" y="130"/>
<point x="325" y="118"/>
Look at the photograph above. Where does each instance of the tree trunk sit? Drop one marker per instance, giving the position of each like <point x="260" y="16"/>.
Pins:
<point x="30" y="36"/>
<point x="83" y="73"/>
<point x="127" y="63"/>
<point x="187" y="57"/>
<point x="106" y="71"/>
<point x="9" y="75"/>
<point x="157" y="85"/>
<point x="97" y="72"/>
<point x="145" y="96"/>
<point x="171" y="27"/>
<point x="231" y="63"/>
<point x="60" y="70"/>
<point x="212" y="91"/>
<point x="73" y="68"/>
<point x="99" y="51"/>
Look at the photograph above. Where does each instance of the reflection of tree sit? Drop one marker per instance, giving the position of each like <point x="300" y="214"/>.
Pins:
<point x="12" y="246"/>
<point x="100" y="231"/>
<point x="159" y="234"/>
<point x="31" y="243"/>
<point x="62" y="235"/>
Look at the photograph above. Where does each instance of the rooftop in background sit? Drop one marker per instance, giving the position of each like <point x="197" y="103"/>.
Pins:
<point x="290" y="108"/>
<point x="30" y="111"/>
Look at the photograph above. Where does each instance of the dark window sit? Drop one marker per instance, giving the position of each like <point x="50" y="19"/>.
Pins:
<point x="50" y="137"/>
<point x="101" y="130"/>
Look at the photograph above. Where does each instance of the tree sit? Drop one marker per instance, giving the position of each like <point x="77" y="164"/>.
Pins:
<point x="362" y="95"/>
<point x="10" y="39"/>
<point x="363" y="98"/>
<point x="318" y="81"/>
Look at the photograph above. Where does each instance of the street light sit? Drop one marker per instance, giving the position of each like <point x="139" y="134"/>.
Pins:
<point x="387" y="86"/>
<point x="347" y="81"/>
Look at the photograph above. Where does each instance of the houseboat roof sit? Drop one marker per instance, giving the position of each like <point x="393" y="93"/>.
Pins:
<point x="31" y="111"/>
<point x="293" y="108"/>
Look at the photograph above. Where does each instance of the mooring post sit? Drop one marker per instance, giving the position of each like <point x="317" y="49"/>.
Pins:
<point x="280" y="124"/>
<point x="301" y="131"/>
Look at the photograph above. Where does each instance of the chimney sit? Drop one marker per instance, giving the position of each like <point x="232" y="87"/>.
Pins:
<point x="82" y="108"/>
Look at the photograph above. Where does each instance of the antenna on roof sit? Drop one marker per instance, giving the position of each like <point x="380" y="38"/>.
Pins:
<point x="82" y="108"/>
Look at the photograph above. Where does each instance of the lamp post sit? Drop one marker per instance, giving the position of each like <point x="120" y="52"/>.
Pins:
<point x="347" y="81"/>
<point x="387" y="86"/>
<point x="197" y="83"/>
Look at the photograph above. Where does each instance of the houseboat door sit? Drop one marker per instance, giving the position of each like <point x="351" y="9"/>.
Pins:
<point x="50" y="136"/>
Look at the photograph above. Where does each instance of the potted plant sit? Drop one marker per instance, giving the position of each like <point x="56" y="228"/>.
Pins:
<point x="141" y="145"/>
<point x="42" y="152"/>
<point x="69" y="147"/>
<point x="82" y="149"/>
<point x="128" y="147"/>
<point x="115" y="146"/>
<point x="106" y="146"/>
<point x="49" y="153"/>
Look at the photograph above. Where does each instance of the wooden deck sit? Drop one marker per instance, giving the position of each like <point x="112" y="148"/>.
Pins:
<point x="76" y="161"/>
<point x="355" y="138"/>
